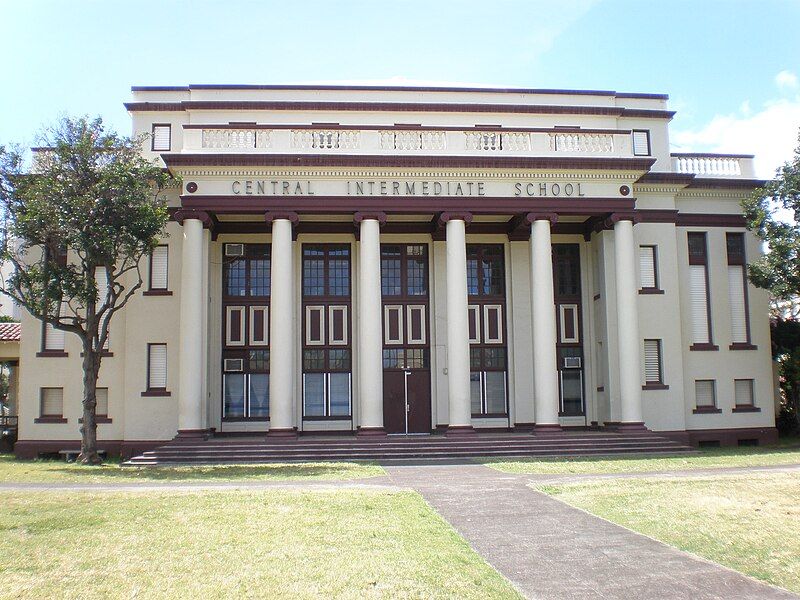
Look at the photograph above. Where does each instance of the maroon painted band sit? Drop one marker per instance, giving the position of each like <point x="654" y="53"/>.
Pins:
<point x="184" y="214"/>
<point x="290" y="216"/>
<point x="455" y="215"/>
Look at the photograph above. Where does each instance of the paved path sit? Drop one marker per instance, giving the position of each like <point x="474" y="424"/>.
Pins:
<point x="551" y="550"/>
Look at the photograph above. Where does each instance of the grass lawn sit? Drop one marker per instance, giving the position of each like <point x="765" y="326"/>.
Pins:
<point x="746" y="522"/>
<point x="708" y="458"/>
<point x="267" y="544"/>
<point x="46" y="471"/>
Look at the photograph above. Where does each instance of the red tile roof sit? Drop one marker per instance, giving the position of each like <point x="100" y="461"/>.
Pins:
<point x="10" y="332"/>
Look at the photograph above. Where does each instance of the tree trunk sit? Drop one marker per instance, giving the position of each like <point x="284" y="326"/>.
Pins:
<point x="91" y="369"/>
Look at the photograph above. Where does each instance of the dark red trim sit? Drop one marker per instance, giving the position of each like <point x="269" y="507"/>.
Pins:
<point x="671" y="178"/>
<point x="703" y="347"/>
<point x="182" y="214"/>
<point x="460" y="430"/>
<point x="156" y="393"/>
<point x="725" y="437"/>
<point x="550" y="428"/>
<point x="52" y="354"/>
<point x="709" y="220"/>
<point x="157" y="293"/>
<point x="372" y="160"/>
<point x="50" y="420"/>
<point x="28" y="449"/>
<point x="100" y="420"/>
<point x="742" y="346"/>
<point x="655" y="386"/>
<point x="288" y="215"/>
<point x="366" y="215"/>
<point x="745" y="409"/>
<point x="650" y="291"/>
<point x="371" y="432"/>
<point x="284" y="433"/>
<point x="711" y="410"/>
<point x="394" y="88"/>
<point x="443" y="107"/>
<point x="153" y="136"/>
<point x="406" y="204"/>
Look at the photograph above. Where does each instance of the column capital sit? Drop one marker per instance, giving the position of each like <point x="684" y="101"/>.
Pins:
<point x="455" y="215"/>
<point x="271" y="216"/>
<point x="616" y="217"/>
<point x="378" y="216"/>
<point x="541" y="216"/>
<point x="183" y="214"/>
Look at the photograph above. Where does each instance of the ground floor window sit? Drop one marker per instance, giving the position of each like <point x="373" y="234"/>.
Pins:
<point x="246" y="395"/>
<point x="488" y="378"/>
<point x="326" y="394"/>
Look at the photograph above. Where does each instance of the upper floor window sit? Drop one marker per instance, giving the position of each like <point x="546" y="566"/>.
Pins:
<point x="737" y="290"/>
<point x="641" y="142"/>
<point x="648" y="268"/>
<point x="326" y="270"/>
<point x="246" y="270"/>
<point x="162" y="137"/>
<point x="404" y="270"/>
<point x="485" y="270"/>
<point x="567" y="270"/>
<point x="159" y="268"/>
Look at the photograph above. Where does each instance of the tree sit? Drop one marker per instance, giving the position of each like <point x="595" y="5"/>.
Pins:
<point x="90" y="207"/>
<point x="778" y="270"/>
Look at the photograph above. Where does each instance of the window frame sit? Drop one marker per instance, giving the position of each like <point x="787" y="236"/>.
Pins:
<point x="740" y="260"/>
<point x="656" y="289"/>
<point x="157" y="391"/>
<point x="153" y="137"/>
<point x="707" y="408"/>
<point x="646" y="133"/>
<point x="50" y="418"/>
<point x="151" y="289"/>
<point x="659" y="384"/>
<point x="702" y="260"/>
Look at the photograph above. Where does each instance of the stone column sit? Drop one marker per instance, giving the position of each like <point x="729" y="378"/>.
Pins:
<point x="458" y="365"/>
<point x="545" y="372"/>
<point x="281" y="327"/>
<point x="191" y="367"/>
<point x="630" y="384"/>
<point x="370" y="328"/>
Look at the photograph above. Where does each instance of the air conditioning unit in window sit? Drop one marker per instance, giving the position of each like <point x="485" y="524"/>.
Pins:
<point x="234" y="249"/>
<point x="234" y="365"/>
<point x="572" y="362"/>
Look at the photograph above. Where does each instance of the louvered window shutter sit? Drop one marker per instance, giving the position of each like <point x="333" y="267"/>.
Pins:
<point x="161" y="137"/>
<point x="647" y="267"/>
<point x="100" y="277"/>
<point x="102" y="402"/>
<point x="704" y="392"/>
<point x="652" y="361"/>
<point x="699" y="299"/>
<point x="641" y="143"/>
<point x="52" y="402"/>
<point x="744" y="392"/>
<point x="158" y="268"/>
<point x="737" y="302"/>
<point x="157" y="366"/>
<point x="54" y="338"/>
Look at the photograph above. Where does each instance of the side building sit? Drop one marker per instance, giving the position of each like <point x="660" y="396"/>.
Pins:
<point x="374" y="260"/>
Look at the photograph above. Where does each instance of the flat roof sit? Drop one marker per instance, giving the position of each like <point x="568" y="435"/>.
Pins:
<point x="390" y="88"/>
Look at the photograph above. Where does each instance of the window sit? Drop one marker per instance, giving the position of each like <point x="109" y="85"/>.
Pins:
<point x="698" y="292"/>
<point x="485" y="270"/>
<point x="641" y="142"/>
<point x="743" y="392"/>
<point x="162" y="137"/>
<point x="653" y="368"/>
<point x="245" y="395"/>
<point x="247" y="275"/>
<point x="53" y="338"/>
<point x="101" y="409"/>
<point x="648" y="271"/>
<point x="737" y="290"/>
<point x="705" y="396"/>
<point x="156" y="367"/>
<point x="159" y="263"/>
<point x="569" y="346"/>
<point x="51" y="403"/>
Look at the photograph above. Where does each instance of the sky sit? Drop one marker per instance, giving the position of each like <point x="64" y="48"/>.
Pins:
<point x="730" y="68"/>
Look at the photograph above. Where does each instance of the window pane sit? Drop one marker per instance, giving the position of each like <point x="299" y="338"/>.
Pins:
<point x="234" y="395"/>
<point x="313" y="277"/>
<point x="472" y="276"/>
<point x="475" y="392"/>
<point x="697" y="245"/>
<point x="417" y="277"/>
<point x="313" y="360"/>
<point x="567" y="273"/>
<point x="743" y="389"/>
<point x="339" y="360"/>
<point x="340" y="394"/>
<point x="495" y="392"/>
<point x="390" y="271"/>
<point x="314" y="394"/>
<point x="417" y="358"/>
<point x="393" y="358"/>
<point x="259" y="395"/>
<point x="493" y="276"/>
<point x="571" y="392"/>
<point x="475" y="358"/>
<point x="494" y="358"/>
<point x="704" y="393"/>
<point x="236" y="284"/>
<point x="259" y="277"/>
<point x="339" y="277"/>
<point x="259" y="360"/>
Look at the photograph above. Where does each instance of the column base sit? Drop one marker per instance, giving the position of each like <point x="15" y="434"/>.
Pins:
<point x="282" y="432"/>
<point x="460" y="430"/>
<point x="546" y="428"/>
<point x="376" y="432"/>
<point x="631" y="426"/>
<point x="193" y="434"/>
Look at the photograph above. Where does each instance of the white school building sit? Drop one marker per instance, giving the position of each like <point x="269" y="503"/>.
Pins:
<point x="387" y="260"/>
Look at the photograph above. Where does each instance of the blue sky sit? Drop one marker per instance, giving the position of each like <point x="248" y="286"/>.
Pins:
<point x="730" y="68"/>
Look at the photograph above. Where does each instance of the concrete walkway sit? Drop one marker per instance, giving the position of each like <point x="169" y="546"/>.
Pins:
<point x="548" y="549"/>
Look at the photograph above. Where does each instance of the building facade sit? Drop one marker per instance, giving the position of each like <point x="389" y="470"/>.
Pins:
<point x="375" y="260"/>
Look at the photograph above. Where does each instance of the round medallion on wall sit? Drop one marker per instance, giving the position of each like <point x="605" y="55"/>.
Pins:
<point x="191" y="187"/>
<point x="624" y="190"/>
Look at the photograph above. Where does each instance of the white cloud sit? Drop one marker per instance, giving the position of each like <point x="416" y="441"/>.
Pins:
<point x="786" y="80"/>
<point x="770" y="133"/>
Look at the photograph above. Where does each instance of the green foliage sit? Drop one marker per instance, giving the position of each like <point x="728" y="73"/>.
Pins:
<point x="778" y="270"/>
<point x="7" y="319"/>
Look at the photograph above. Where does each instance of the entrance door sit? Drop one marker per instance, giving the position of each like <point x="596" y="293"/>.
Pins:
<point x="406" y="351"/>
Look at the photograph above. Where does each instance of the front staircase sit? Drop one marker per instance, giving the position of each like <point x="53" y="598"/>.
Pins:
<point x="254" y="450"/>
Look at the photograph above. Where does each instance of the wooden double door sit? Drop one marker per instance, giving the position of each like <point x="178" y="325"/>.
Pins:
<point x="406" y="347"/>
